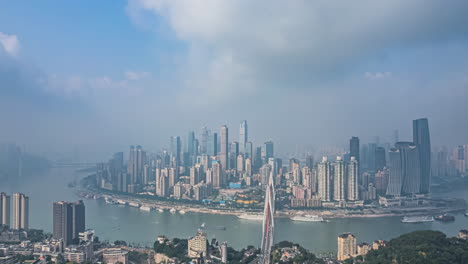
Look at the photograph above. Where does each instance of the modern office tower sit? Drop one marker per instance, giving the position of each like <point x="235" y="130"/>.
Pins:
<point x="217" y="174"/>
<point x="248" y="167"/>
<point x="324" y="178"/>
<point x="243" y="137"/>
<point x="68" y="221"/>
<point x="371" y="156"/>
<point x="411" y="169"/>
<point x="191" y="147"/>
<point x="380" y="158"/>
<point x="395" y="179"/>
<point x="194" y="176"/>
<point x="20" y="211"/>
<point x="204" y="141"/>
<point x="131" y="166"/>
<point x="224" y="252"/>
<point x="176" y="149"/>
<point x="346" y="246"/>
<point x="240" y="163"/>
<point x="309" y="161"/>
<point x="223" y="151"/>
<point x="79" y="219"/>
<point x="339" y="180"/>
<point x="257" y="159"/>
<point x="233" y="153"/>
<point x="4" y="209"/>
<point x="352" y="180"/>
<point x="173" y="177"/>
<point x="63" y="222"/>
<point x="248" y="152"/>
<point x="212" y="144"/>
<point x="459" y="159"/>
<point x="268" y="150"/>
<point x="136" y="161"/>
<point x="197" y="245"/>
<point x="268" y="227"/>
<point x="146" y="174"/>
<point x="421" y="138"/>
<point x="354" y="147"/>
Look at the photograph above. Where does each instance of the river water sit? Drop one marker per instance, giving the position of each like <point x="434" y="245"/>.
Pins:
<point x="113" y="222"/>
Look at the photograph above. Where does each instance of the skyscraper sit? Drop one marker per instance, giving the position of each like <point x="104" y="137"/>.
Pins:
<point x="411" y="168"/>
<point x="223" y="152"/>
<point x="68" y="221"/>
<point x="20" y="211"/>
<point x="212" y="144"/>
<point x="395" y="178"/>
<point x="176" y="148"/>
<point x="233" y="153"/>
<point x="268" y="151"/>
<point x="354" y="147"/>
<point x="248" y="151"/>
<point x="380" y="159"/>
<point x="4" y="209"/>
<point x="352" y="180"/>
<point x="204" y="140"/>
<point x="79" y="219"/>
<point x="243" y="136"/>
<point x="339" y="180"/>
<point x="421" y="138"/>
<point x="63" y="222"/>
<point x="324" y="178"/>
<point x="268" y="227"/>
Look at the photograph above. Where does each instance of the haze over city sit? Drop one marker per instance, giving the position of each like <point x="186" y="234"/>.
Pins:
<point x="95" y="77"/>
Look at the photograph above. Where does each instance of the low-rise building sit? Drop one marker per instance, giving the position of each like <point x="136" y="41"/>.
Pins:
<point x="115" y="255"/>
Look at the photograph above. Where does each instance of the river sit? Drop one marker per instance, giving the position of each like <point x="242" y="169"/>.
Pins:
<point x="113" y="222"/>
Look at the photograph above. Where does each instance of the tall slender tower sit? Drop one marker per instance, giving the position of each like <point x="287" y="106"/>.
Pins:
<point x="268" y="221"/>
<point x="223" y="152"/>
<point x="421" y="138"/>
<point x="20" y="211"/>
<point x="354" y="148"/>
<point x="352" y="180"/>
<point x="4" y="209"/>
<point x="324" y="178"/>
<point x="243" y="137"/>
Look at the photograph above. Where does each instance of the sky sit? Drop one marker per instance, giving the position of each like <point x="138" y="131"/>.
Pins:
<point x="93" y="77"/>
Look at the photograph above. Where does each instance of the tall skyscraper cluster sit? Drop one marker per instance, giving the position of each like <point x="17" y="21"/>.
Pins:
<point x="410" y="163"/>
<point x="68" y="221"/>
<point x="20" y="211"/>
<point x="191" y="168"/>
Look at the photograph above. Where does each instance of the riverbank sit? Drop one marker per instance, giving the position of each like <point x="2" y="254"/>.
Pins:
<point x="150" y="204"/>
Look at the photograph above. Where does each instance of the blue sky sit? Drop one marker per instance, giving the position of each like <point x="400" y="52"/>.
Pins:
<point x="114" y="73"/>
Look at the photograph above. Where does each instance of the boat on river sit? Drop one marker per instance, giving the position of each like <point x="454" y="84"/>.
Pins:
<point x="308" y="218"/>
<point x="417" y="219"/>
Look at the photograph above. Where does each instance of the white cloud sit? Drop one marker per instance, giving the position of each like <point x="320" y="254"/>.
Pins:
<point x="9" y="43"/>
<point x="135" y="76"/>
<point x="263" y="45"/>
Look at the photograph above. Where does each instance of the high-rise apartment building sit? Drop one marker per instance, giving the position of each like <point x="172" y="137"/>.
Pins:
<point x="339" y="180"/>
<point x="421" y="138"/>
<point x="223" y="152"/>
<point x="380" y="158"/>
<point x="352" y="180"/>
<point x="324" y="178"/>
<point x="233" y="153"/>
<point x="346" y="246"/>
<point x="20" y="211"/>
<point x="197" y="245"/>
<point x="4" y="209"/>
